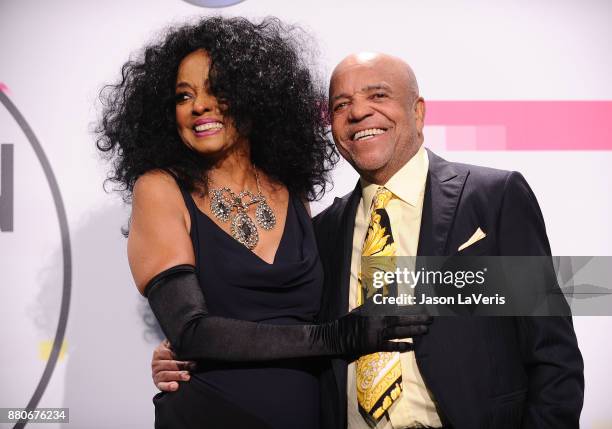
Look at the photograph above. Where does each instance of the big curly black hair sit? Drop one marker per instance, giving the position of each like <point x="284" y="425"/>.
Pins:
<point x="263" y="76"/>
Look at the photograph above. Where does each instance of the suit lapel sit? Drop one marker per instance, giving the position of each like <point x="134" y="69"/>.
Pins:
<point x="348" y="228"/>
<point x="345" y="250"/>
<point x="443" y="188"/>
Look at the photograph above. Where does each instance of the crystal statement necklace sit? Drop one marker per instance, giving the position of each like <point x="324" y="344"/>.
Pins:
<point x="225" y="205"/>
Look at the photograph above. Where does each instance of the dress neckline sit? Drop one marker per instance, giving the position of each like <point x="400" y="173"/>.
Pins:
<point x="240" y="245"/>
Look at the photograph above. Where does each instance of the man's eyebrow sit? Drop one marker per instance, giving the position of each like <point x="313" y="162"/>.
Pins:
<point x="366" y="88"/>
<point x="375" y="86"/>
<point x="336" y="97"/>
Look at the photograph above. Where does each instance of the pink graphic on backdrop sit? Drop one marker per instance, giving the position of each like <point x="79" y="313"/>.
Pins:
<point x="519" y="125"/>
<point x="515" y="125"/>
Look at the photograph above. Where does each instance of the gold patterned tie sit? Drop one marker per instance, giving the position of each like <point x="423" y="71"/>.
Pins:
<point x="379" y="375"/>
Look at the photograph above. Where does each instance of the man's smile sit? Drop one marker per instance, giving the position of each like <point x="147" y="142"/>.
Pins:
<point x="368" y="133"/>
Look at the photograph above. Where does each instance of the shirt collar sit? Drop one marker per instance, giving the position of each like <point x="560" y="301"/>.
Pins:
<point x="408" y="183"/>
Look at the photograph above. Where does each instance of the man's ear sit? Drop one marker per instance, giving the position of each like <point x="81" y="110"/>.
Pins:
<point x="419" y="114"/>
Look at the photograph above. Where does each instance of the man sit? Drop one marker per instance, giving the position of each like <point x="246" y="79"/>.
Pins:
<point x="466" y="373"/>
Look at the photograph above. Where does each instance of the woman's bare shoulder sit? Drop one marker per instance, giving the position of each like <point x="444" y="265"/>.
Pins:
<point x="156" y="183"/>
<point x="159" y="228"/>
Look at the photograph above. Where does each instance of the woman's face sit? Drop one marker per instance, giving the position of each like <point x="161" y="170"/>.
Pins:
<point x="199" y="120"/>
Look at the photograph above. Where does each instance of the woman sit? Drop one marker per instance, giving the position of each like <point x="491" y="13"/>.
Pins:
<point x="218" y="138"/>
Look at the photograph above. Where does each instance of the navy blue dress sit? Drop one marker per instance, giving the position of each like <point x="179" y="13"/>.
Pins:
<point x="238" y="284"/>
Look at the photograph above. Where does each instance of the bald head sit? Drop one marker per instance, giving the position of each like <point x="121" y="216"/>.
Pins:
<point x="376" y="60"/>
<point x="376" y="114"/>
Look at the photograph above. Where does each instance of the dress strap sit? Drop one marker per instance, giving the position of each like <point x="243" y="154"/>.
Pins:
<point x="193" y="210"/>
<point x="190" y="203"/>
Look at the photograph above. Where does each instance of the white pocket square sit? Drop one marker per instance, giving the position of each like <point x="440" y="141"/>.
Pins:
<point x="478" y="235"/>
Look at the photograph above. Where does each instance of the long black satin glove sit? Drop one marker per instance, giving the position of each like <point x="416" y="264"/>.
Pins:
<point x="178" y="303"/>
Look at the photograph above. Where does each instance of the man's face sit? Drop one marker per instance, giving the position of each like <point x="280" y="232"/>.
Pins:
<point x="377" y="118"/>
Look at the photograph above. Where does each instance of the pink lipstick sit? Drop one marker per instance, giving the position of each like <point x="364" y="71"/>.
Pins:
<point x="207" y="127"/>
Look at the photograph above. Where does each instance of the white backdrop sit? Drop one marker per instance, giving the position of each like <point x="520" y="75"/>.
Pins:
<point x="57" y="54"/>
